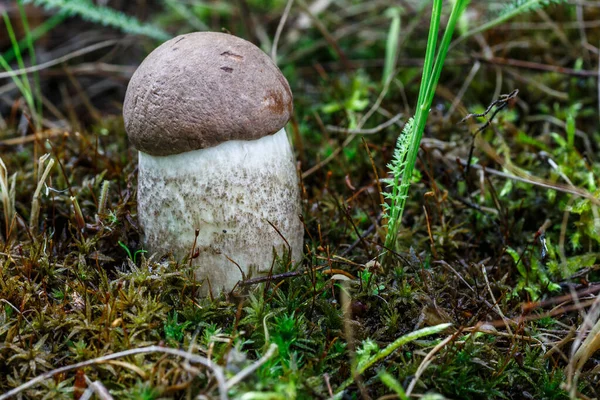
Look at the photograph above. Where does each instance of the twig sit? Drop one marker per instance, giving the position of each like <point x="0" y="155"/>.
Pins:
<point x="497" y="105"/>
<point x="426" y="361"/>
<point x="32" y="138"/>
<point x="217" y="370"/>
<point x="350" y="138"/>
<point x="103" y="198"/>
<point x="369" y="131"/>
<point x="532" y="180"/>
<point x="456" y="101"/>
<point x="588" y="337"/>
<point x="284" y="16"/>
<point x="445" y="264"/>
<point x="537" y="66"/>
<point x="97" y="388"/>
<point x="292" y="274"/>
<point x="240" y="376"/>
<point x="328" y="383"/>
<point x="489" y="328"/>
<point x="331" y="40"/>
<point x="487" y="283"/>
<point x="59" y="60"/>
<point x="15" y="308"/>
<point x="589" y="290"/>
<point x="326" y="161"/>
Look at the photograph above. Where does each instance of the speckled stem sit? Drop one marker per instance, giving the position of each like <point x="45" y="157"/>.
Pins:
<point x="229" y="193"/>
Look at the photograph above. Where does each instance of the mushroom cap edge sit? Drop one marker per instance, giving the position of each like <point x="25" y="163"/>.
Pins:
<point x="201" y="89"/>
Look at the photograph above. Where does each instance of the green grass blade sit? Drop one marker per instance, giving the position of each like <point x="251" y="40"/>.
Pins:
<point x="21" y="83"/>
<point x="401" y="341"/>
<point x="391" y="382"/>
<point x="399" y="189"/>
<point x="434" y="26"/>
<point x="37" y="33"/>
<point x="391" y="45"/>
<point x="37" y="91"/>
<point x="431" y="73"/>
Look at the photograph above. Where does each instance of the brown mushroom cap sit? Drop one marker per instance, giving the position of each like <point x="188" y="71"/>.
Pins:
<point x="201" y="89"/>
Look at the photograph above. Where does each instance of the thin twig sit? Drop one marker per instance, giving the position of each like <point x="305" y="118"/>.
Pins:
<point x="331" y="40"/>
<point x="326" y="161"/>
<point x="535" y="181"/>
<point x="284" y="16"/>
<point x="350" y="138"/>
<point x="217" y="370"/>
<point x="59" y="60"/>
<point x="243" y="374"/>
<point x="369" y="131"/>
<point x="97" y="388"/>
<point x="487" y="283"/>
<point x="499" y="105"/>
<point x="21" y="140"/>
<point x="465" y="86"/>
<point x="537" y="66"/>
<point x="426" y="361"/>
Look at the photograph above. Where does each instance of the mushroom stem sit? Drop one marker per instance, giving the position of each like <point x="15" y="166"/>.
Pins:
<point x="229" y="193"/>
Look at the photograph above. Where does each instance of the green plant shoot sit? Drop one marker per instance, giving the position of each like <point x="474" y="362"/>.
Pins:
<point x="407" y="145"/>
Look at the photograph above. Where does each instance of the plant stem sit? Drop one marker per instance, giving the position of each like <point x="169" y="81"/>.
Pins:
<point x="432" y="70"/>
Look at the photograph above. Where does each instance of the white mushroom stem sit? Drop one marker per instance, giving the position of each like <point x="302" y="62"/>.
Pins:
<point x="230" y="193"/>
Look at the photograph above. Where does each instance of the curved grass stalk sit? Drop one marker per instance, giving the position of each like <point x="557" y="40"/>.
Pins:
<point x="395" y="345"/>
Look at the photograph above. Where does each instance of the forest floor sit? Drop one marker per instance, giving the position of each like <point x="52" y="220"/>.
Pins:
<point x="492" y="293"/>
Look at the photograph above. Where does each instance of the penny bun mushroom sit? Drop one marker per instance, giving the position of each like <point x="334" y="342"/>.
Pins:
<point x="207" y="113"/>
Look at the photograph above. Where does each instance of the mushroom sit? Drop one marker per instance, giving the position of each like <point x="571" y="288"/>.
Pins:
<point x="217" y="178"/>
